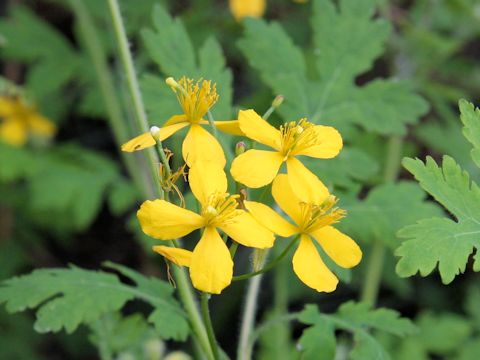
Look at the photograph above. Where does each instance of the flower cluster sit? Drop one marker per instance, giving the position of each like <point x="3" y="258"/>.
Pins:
<point x="298" y="192"/>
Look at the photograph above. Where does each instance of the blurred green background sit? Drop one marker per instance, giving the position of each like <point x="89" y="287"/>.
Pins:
<point x="71" y="200"/>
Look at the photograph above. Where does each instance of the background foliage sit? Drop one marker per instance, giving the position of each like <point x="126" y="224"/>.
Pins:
<point x="388" y="74"/>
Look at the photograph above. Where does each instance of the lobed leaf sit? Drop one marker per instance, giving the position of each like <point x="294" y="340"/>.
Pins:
<point x="382" y="106"/>
<point x="66" y="298"/>
<point x="357" y="318"/>
<point x="170" y="47"/>
<point x="442" y="241"/>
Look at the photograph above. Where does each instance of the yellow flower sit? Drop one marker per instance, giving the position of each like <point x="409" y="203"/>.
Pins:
<point x="247" y="8"/>
<point x="211" y="267"/>
<point x="257" y="168"/>
<point x="195" y="99"/>
<point x="18" y="120"/>
<point x="313" y="223"/>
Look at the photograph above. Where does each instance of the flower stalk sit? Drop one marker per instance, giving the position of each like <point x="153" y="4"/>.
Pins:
<point x="185" y="290"/>
<point x="208" y="322"/>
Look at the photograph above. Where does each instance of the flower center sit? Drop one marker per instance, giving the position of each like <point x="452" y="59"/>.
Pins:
<point x="195" y="98"/>
<point x="315" y="217"/>
<point x="296" y="134"/>
<point x="221" y="209"/>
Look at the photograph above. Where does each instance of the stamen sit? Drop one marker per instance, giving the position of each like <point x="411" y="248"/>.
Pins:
<point x="315" y="217"/>
<point x="295" y="135"/>
<point x="195" y="98"/>
<point x="221" y="209"/>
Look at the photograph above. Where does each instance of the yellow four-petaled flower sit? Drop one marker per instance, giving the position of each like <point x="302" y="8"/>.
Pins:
<point x="313" y="223"/>
<point x="195" y="98"/>
<point x="211" y="266"/>
<point x="256" y="168"/>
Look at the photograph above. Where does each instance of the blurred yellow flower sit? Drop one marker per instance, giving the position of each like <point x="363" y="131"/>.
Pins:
<point x="18" y="120"/>
<point x="211" y="266"/>
<point x="195" y="99"/>
<point x="313" y="223"/>
<point x="247" y="8"/>
<point x="257" y="168"/>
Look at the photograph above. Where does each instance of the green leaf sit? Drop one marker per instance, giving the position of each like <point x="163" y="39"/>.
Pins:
<point x="442" y="333"/>
<point x="76" y="202"/>
<point x="470" y="117"/>
<point x="168" y="318"/>
<point x="360" y="316"/>
<point x="442" y="241"/>
<point x="16" y="163"/>
<point x="385" y="210"/>
<point x="114" y="334"/>
<point x="331" y="97"/>
<point x="356" y="318"/>
<point x="170" y="48"/>
<point x="50" y="66"/>
<point x="317" y="341"/>
<point x="66" y="298"/>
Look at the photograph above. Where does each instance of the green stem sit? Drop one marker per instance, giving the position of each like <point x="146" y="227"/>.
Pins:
<point x="281" y="333"/>
<point x="185" y="290"/>
<point x="132" y="82"/>
<point x="373" y="276"/>
<point x="208" y="321"/>
<point x="270" y="265"/>
<point x="269" y="112"/>
<point x="245" y="345"/>
<point x="107" y="89"/>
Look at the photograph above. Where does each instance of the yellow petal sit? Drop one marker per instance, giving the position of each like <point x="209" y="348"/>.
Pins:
<point x="178" y="256"/>
<point x="304" y="183"/>
<point x="247" y="8"/>
<point x="206" y="178"/>
<point x="328" y="144"/>
<point x="270" y="219"/>
<point x="140" y="142"/>
<point x="13" y="132"/>
<point x="285" y="197"/>
<point x="310" y="268"/>
<point x="340" y="247"/>
<point x="41" y="125"/>
<point x="231" y="127"/>
<point x="258" y="129"/>
<point x="8" y="106"/>
<point x="256" y="168"/>
<point x="245" y="230"/>
<point x="165" y="221"/>
<point x="175" y="119"/>
<point x="211" y="268"/>
<point x="200" y="145"/>
<point x="169" y="130"/>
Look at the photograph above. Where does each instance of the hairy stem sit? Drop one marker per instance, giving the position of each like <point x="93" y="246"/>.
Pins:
<point x="208" y="321"/>
<point x="245" y="345"/>
<point x="185" y="290"/>
<point x="107" y="89"/>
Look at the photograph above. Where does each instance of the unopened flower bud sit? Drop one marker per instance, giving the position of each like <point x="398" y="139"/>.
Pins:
<point x="277" y="101"/>
<point x="155" y="131"/>
<point x="240" y="148"/>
